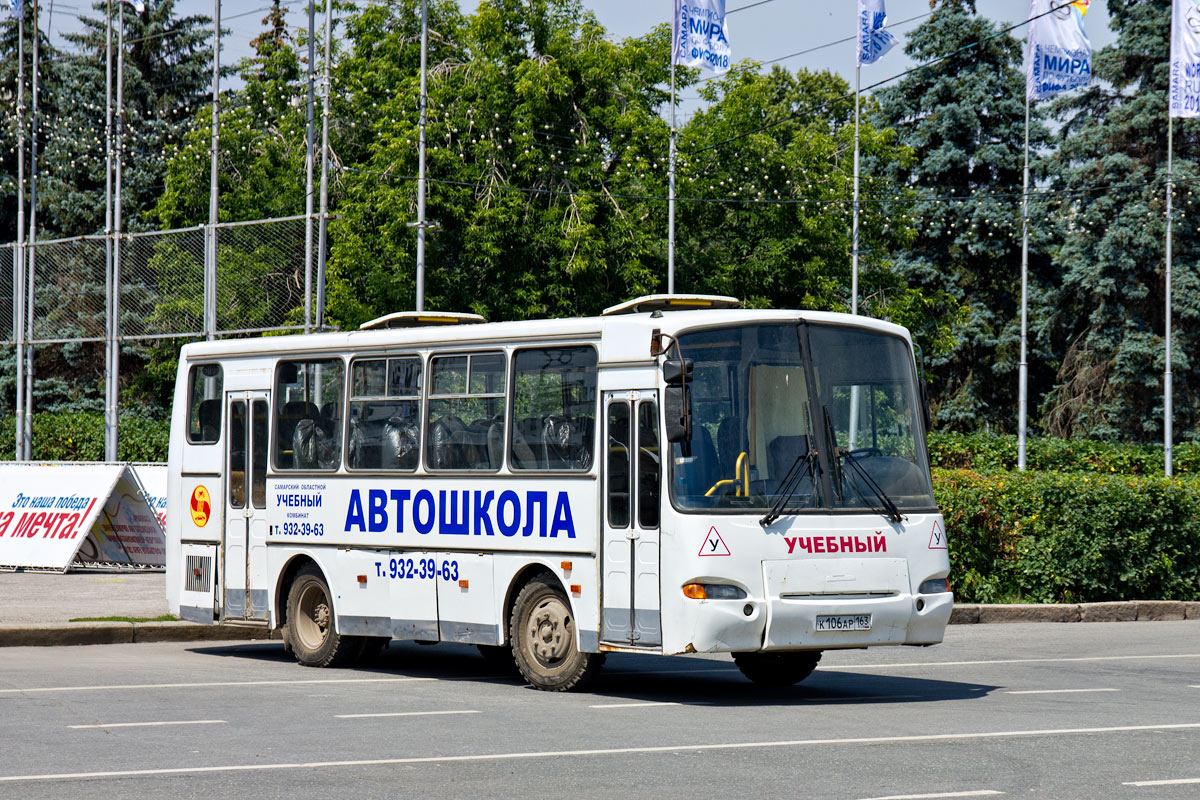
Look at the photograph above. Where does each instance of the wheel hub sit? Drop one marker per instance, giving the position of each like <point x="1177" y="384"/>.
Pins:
<point x="549" y="632"/>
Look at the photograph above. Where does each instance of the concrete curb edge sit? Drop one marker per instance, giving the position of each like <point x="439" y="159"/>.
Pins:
<point x="80" y="633"/>
<point x="1123" y="611"/>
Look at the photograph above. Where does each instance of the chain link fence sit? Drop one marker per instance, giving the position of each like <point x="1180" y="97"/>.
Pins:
<point x="258" y="285"/>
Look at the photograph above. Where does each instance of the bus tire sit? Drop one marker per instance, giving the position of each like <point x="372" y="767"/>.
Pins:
<point x="777" y="670"/>
<point x="311" y="623"/>
<point x="542" y="633"/>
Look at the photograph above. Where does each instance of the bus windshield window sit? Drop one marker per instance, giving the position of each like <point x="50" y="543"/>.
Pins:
<point x="869" y="407"/>
<point x="756" y="431"/>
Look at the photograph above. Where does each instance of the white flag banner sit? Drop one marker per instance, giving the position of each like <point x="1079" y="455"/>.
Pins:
<point x="701" y="35"/>
<point x="14" y="7"/>
<point x="1185" y="58"/>
<point x="1058" y="54"/>
<point x="873" y="40"/>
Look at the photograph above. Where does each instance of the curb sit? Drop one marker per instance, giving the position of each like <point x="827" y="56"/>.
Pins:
<point x="1124" y="611"/>
<point x="80" y="633"/>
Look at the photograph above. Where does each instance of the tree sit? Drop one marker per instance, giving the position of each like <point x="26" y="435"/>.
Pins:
<point x="1111" y="168"/>
<point x="542" y="136"/>
<point x="964" y="119"/>
<point x="767" y="176"/>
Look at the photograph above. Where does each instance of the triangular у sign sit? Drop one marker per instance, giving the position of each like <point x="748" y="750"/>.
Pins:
<point x="714" y="545"/>
<point x="937" y="539"/>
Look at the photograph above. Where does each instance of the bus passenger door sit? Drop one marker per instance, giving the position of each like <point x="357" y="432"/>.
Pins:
<point x="244" y="547"/>
<point x="630" y="604"/>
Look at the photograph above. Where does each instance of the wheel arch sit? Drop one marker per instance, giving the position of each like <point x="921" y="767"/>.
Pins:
<point x="284" y="584"/>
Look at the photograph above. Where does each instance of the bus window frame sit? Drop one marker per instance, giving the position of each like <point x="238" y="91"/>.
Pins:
<point x="427" y="422"/>
<point x="193" y="368"/>
<point x="276" y="409"/>
<point x="421" y="397"/>
<point x="510" y="414"/>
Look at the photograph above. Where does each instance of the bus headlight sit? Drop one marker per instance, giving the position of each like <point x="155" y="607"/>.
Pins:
<point x="713" y="591"/>
<point x="934" y="586"/>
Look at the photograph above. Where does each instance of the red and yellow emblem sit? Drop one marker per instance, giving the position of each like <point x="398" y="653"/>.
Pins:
<point x="201" y="506"/>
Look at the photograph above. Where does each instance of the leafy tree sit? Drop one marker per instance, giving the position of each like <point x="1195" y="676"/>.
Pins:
<point x="542" y="135"/>
<point x="768" y="173"/>
<point x="1110" y="310"/>
<point x="964" y="119"/>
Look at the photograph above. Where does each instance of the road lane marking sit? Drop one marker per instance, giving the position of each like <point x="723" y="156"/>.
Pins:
<point x="152" y="724"/>
<point x="615" y="751"/>
<point x="974" y="793"/>
<point x="403" y="714"/>
<point x="207" y="685"/>
<point x="1175" y="782"/>
<point x="845" y="667"/>
<point x="1060" y="691"/>
<point x="633" y="705"/>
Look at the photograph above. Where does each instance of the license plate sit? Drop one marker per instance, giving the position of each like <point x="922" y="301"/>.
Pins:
<point x="844" y="622"/>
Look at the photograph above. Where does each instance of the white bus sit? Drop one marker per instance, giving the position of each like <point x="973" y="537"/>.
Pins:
<point x="678" y="475"/>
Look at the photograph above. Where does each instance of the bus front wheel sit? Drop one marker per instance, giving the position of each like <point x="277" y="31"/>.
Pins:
<point x="542" y="632"/>
<point x="776" y="670"/>
<point x="311" y="631"/>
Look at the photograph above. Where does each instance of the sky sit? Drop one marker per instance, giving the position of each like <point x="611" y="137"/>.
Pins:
<point x="763" y="30"/>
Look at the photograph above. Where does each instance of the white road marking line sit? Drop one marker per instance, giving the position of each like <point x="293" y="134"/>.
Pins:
<point x="403" y="714"/>
<point x="615" y="751"/>
<point x="975" y="793"/>
<point x="1080" y="659"/>
<point x="208" y="684"/>
<point x="1176" y="782"/>
<point x="151" y="724"/>
<point x="1060" y="691"/>
<point x="632" y="705"/>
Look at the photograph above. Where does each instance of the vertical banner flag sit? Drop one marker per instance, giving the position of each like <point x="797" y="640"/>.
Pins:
<point x="873" y="40"/>
<point x="701" y="35"/>
<point x="1185" y="58"/>
<point x="1058" y="54"/>
<point x="14" y="7"/>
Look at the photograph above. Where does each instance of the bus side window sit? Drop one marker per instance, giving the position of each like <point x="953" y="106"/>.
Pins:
<point x="308" y="402"/>
<point x="466" y="412"/>
<point x="205" y="387"/>
<point x="385" y="414"/>
<point x="553" y="418"/>
<point x="649" y="469"/>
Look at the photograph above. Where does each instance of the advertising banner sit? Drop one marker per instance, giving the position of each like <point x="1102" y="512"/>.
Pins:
<point x="55" y="516"/>
<point x="1185" y="58"/>
<point x="701" y="35"/>
<point x="1058" y="53"/>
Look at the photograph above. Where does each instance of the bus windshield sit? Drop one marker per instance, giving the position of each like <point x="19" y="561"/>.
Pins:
<point x="835" y="428"/>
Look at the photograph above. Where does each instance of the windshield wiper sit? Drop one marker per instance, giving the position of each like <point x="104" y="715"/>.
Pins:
<point x="790" y="483"/>
<point x="888" y="507"/>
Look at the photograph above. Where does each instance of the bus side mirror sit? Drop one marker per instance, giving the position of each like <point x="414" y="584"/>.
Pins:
<point x="677" y="373"/>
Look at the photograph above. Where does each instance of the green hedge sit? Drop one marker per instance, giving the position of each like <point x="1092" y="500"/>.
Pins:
<point x="988" y="453"/>
<point x="1054" y="537"/>
<point x="80" y="437"/>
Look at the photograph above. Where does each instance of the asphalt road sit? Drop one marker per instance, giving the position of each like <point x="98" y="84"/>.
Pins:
<point x="1105" y="710"/>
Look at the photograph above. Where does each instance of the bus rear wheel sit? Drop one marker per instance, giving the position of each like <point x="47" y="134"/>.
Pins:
<point x="542" y="632"/>
<point x="776" y="670"/>
<point x="311" y="631"/>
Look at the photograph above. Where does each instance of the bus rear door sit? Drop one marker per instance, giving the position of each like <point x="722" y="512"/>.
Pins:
<point x="244" y="552"/>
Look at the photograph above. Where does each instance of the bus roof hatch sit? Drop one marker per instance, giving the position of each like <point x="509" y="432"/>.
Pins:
<point x="420" y="319"/>
<point x="672" y="302"/>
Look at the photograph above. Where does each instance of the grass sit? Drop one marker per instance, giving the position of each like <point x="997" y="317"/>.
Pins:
<point x="163" y="618"/>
